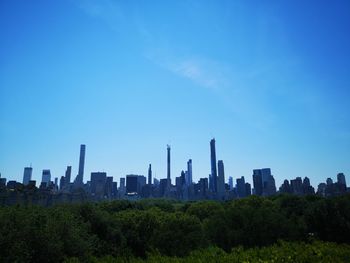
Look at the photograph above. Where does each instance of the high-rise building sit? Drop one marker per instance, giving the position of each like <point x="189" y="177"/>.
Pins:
<point x="78" y="182"/>
<point x="150" y="174"/>
<point x="285" y="187"/>
<point x="168" y="167"/>
<point x="189" y="172"/>
<point x="248" y="189"/>
<point x="241" y="190"/>
<point x="307" y="188"/>
<point x="131" y="183"/>
<point x="134" y="183"/>
<point x="141" y="182"/>
<point x="257" y="182"/>
<point x="98" y="183"/>
<point x="341" y="179"/>
<point x="265" y="175"/>
<point x="329" y="181"/>
<point x="221" y="179"/>
<point x="297" y="186"/>
<point x="155" y="181"/>
<point x="68" y="175"/>
<point x="122" y="185"/>
<point x="213" y="165"/>
<point x="27" y="175"/>
<point x="264" y="183"/>
<point x="46" y="177"/>
<point x="230" y="182"/>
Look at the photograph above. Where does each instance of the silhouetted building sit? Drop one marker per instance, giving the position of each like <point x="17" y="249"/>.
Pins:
<point x="46" y="177"/>
<point x="257" y="182"/>
<point x="168" y="167"/>
<point x="221" y="180"/>
<point x="78" y="182"/>
<point x="230" y="183"/>
<point x="189" y="172"/>
<point x="329" y="181"/>
<point x="163" y="183"/>
<point x="134" y="183"/>
<point x="68" y="174"/>
<point x="307" y="188"/>
<point x="155" y="182"/>
<point x="213" y="166"/>
<point x="321" y="189"/>
<point x="211" y="183"/>
<point x="285" y="187"/>
<point x="297" y="186"/>
<point x="98" y="183"/>
<point x="141" y="182"/>
<point x="264" y="183"/>
<point x="109" y="187"/>
<point x="248" y="189"/>
<point x="240" y="185"/>
<point x="2" y="182"/>
<point x="27" y="175"/>
<point x="203" y="188"/>
<point x="62" y="182"/>
<point x="341" y="179"/>
<point x="11" y="185"/>
<point x="150" y="174"/>
<point x="131" y="183"/>
<point x="122" y="186"/>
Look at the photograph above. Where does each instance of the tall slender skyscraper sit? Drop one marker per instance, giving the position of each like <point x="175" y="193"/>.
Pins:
<point x="79" y="179"/>
<point x="189" y="172"/>
<point x="213" y="165"/>
<point x="150" y="174"/>
<point x="27" y="175"/>
<point x="221" y="179"/>
<point x="168" y="167"/>
<point x="68" y="175"/>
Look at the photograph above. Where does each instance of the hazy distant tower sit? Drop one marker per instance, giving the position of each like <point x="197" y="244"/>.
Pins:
<point x="150" y="174"/>
<point x="27" y="175"/>
<point x="68" y="174"/>
<point x="221" y="179"/>
<point x="168" y="166"/>
<point x="189" y="172"/>
<point x="213" y="165"/>
<point x="79" y="179"/>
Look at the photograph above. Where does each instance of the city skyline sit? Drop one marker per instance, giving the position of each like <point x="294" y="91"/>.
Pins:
<point x="268" y="79"/>
<point x="217" y="167"/>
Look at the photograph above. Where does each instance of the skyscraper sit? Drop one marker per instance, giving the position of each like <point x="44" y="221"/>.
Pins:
<point x="213" y="165"/>
<point x="189" y="172"/>
<point x="78" y="182"/>
<point x="257" y="182"/>
<point x="230" y="182"/>
<point x="46" y="177"/>
<point x="168" y="167"/>
<point x="98" y="183"/>
<point x="131" y="183"/>
<point x="27" y="175"/>
<point x="68" y="174"/>
<point x="221" y="180"/>
<point x="241" y="188"/>
<point x="150" y="174"/>
<point x="341" y="179"/>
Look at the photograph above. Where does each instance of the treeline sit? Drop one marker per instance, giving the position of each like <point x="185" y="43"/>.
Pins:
<point x="152" y="228"/>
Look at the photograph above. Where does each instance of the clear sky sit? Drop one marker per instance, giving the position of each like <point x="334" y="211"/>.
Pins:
<point x="270" y="80"/>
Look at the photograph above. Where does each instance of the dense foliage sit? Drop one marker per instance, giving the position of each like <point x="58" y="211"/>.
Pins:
<point x="164" y="230"/>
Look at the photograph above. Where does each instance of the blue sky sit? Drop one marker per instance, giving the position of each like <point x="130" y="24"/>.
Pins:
<point x="268" y="79"/>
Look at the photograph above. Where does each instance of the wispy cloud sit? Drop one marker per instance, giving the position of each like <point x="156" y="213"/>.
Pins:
<point x="201" y="71"/>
